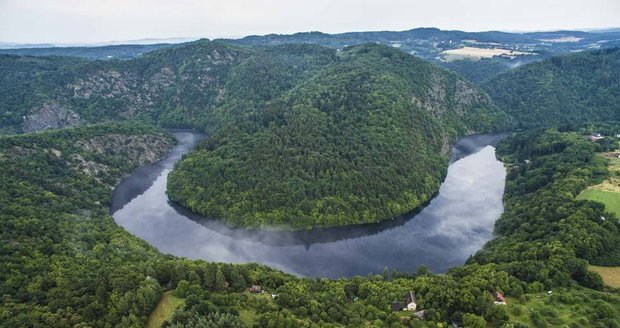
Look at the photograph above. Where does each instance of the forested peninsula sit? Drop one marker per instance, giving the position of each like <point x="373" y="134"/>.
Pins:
<point x="361" y="139"/>
<point x="300" y="135"/>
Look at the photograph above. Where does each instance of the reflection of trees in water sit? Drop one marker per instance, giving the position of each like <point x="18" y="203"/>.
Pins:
<point x="474" y="143"/>
<point x="143" y="178"/>
<point x="298" y="237"/>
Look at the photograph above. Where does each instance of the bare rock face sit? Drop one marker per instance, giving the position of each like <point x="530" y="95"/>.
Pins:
<point x="136" y="149"/>
<point x="51" y="115"/>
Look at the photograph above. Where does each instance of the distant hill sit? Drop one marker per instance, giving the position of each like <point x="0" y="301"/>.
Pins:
<point x="428" y="43"/>
<point x="431" y="44"/>
<point x="564" y="89"/>
<point x="125" y="51"/>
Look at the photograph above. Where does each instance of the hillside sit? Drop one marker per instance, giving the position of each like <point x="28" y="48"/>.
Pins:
<point x="365" y="131"/>
<point x="567" y="89"/>
<point x="363" y="139"/>
<point x="178" y="87"/>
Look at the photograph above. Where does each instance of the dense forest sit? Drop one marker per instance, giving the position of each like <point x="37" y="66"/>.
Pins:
<point x="361" y="140"/>
<point x="307" y="133"/>
<point x="365" y="131"/>
<point x="66" y="264"/>
<point x="479" y="71"/>
<point x="582" y="87"/>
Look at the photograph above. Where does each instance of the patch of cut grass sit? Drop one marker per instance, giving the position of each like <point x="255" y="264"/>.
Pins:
<point x="610" y="275"/>
<point x="610" y="199"/>
<point x="164" y="308"/>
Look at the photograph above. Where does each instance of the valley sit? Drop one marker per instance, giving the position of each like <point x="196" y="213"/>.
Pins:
<point x="313" y="180"/>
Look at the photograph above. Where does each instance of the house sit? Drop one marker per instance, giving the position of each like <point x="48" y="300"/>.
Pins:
<point x="499" y="298"/>
<point x="256" y="289"/>
<point x="408" y="305"/>
<point x="596" y="136"/>
<point x="411" y="304"/>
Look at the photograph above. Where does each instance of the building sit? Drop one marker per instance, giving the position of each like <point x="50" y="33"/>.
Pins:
<point x="499" y="298"/>
<point x="256" y="289"/>
<point x="408" y="305"/>
<point x="411" y="301"/>
<point x="596" y="136"/>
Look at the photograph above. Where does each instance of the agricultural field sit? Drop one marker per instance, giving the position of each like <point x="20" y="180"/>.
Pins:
<point x="607" y="192"/>
<point x="473" y="53"/>
<point x="610" y="275"/>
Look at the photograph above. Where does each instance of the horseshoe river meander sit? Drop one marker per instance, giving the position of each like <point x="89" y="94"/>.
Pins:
<point x="450" y="228"/>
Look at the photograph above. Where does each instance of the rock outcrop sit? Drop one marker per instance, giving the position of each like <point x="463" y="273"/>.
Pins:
<point x="51" y="115"/>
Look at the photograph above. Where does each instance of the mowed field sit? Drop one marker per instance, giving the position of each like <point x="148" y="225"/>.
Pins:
<point x="607" y="192"/>
<point x="611" y="199"/>
<point x="474" y="53"/>
<point x="610" y="275"/>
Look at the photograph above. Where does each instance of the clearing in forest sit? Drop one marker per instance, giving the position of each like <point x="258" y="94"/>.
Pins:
<point x="163" y="310"/>
<point x="607" y="192"/>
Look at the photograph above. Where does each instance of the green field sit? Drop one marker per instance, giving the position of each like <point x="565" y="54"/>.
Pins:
<point x="166" y="305"/>
<point x="610" y="275"/>
<point x="579" y="307"/>
<point x="609" y="198"/>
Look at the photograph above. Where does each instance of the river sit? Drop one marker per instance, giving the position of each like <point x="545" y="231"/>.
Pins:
<point x="443" y="234"/>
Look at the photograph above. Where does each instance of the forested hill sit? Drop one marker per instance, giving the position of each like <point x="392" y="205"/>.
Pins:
<point x="361" y="139"/>
<point x="363" y="130"/>
<point x="178" y="87"/>
<point x="566" y="89"/>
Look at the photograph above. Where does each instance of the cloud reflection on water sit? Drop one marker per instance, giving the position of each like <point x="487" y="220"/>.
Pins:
<point x="444" y="234"/>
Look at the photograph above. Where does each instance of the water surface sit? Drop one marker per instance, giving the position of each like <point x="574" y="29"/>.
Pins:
<point x="450" y="228"/>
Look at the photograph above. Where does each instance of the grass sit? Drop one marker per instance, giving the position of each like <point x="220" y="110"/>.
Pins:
<point x="610" y="199"/>
<point x="610" y="275"/>
<point x="163" y="310"/>
<point x="563" y="308"/>
<point x="607" y="192"/>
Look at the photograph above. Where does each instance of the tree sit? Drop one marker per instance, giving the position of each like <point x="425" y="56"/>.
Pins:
<point x="220" y="280"/>
<point x="473" y="321"/>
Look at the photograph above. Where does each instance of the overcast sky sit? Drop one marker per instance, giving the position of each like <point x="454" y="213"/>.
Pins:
<point x="90" y="21"/>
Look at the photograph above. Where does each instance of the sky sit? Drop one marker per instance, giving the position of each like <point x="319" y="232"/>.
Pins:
<point x="95" y="21"/>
